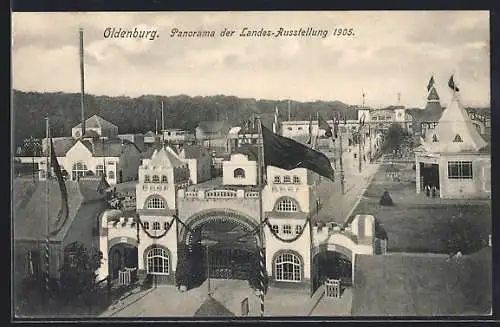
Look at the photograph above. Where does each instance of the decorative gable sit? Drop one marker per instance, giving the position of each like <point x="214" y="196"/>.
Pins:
<point x="457" y="138"/>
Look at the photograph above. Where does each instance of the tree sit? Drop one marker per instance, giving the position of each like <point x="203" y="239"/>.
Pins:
<point x="78" y="273"/>
<point x="394" y="138"/>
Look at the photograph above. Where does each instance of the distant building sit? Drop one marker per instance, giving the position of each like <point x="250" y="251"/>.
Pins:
<point x="199" y="162"/>
<point x="178" y="136"/>
<point x="454" y="157"/>
<point x="32" y="212"/>
<point x="137" y="139"/>
<point x="150" y="139"/>
<point x="213" y="133"/>
<point x="118" y="159"/>
<point x="100" y="126"/>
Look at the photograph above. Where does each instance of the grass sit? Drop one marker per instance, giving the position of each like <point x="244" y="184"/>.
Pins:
<point x="420" y="285"/>
<point x="419" y="224"/>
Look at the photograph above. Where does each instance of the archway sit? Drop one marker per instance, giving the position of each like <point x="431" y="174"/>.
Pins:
<point x="121" y="255"/>
<point x="334" y="264"/>
<point x="218" y="245"/>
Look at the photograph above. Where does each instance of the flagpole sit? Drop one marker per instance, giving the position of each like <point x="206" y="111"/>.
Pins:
<point x="316" y="144"/>
<point x="47" y="199"/>
<point x="359" y="146"/>
<point x="342" y="182"/>
<point x="260" y="183"/>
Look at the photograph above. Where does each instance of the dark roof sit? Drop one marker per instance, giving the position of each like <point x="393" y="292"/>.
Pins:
<point x="215" y="127"/>
<point x="96" y="122"/>
<point x="249" y="150"/>
<point x="62" y="145"/>
<point x="108" y="148"/>
<point x="149" y="134"/>
<point x="194" y="151"/>
<point x="213" y="308"/>
<point x="90" y="134"/>
<point x="433" y="95"/>
<point x="31" y="215"/>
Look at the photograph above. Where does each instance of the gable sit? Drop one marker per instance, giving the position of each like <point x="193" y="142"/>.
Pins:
<point x="79" y="152"/>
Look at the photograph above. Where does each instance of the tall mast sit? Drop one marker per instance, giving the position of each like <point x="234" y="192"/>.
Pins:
<point x="289" y="115"/>
<point x="47" y="206"/>
<point x="162" y="125"/>
<point x="82" y="82"/>
<point x="260" y="184"/>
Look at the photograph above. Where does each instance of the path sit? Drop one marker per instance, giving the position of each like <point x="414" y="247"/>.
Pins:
<point x="334" y="307"/>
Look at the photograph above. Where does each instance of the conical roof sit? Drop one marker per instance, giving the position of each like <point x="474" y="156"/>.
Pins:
<point x="213" y="308"/>
<point x="165" y="157"/>
<point x="455" y="131"/>
<point x="433" y="109"/>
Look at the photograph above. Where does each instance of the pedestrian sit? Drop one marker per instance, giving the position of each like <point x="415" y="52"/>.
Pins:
<point x="427" y="190"/>
<point x="434" y="191"/>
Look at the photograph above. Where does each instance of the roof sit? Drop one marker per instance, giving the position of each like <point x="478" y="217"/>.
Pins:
<point x="62" y="145"/>
<point x="149" y="134"/>
<point x="214" y="127"/>
<point x="90" y="134"/>
<point x="108" y="148"/>
<point x="248" y="150"/>
<point x="31" y="215"/>
<point x="234" y="131"/>
<point x="97" y="122"/>
<point x="455" y="123"/>
<point x="213" y="308"/>
<point x="433" y="95"/>
<point x="193" y="151"/>
<point x="420" y="284"/>
<point x="166" y="157"/>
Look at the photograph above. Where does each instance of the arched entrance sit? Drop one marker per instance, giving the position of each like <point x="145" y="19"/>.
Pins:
<point x="121" y="256"/>
<point x="218" y="245"/>
<point x="333" y="265"/>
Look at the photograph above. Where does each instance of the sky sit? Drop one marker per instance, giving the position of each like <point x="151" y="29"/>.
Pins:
<point x="389" y="53"/>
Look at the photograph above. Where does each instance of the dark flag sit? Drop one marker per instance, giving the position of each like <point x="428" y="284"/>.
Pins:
<point x="64" y="211"/>
<point x="430" y="84"/>
<point x="310" y="130"/>
<point x="324" y="125"/>
<point x="288" y="154"/>
<point x="451" y="84"/>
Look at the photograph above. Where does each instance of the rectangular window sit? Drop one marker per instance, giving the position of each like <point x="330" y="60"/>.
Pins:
<point x="460" y="169"/>
<point x="287" y="229"/>
<point x="275" y="228"/>
<point x="298" y="229"/>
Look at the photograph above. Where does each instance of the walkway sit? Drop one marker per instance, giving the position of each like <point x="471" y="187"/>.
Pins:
<point x="336" y="206"/>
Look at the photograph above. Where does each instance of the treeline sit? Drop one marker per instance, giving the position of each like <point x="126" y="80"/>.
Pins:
<point x="138" y="115"/>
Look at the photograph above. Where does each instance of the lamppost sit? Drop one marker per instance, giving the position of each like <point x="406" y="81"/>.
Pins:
<point x="207" y="243"/>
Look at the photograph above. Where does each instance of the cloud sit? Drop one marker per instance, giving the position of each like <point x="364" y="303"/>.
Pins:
<point x="390" y="52"/>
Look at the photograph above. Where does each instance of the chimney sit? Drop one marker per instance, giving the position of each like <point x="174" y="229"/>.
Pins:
<point x="82" y="82"/>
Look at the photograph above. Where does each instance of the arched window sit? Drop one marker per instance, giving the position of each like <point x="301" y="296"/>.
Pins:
<point x="156" y="179"/>
<point x="277" y="179"/>
<point x="99" y="170"/>
<point x="287" y="268"/>
<point x="287" y="205"/>
<point x="434" y="138"/>
<point x="296" y="179"/>
<point x="145" y="225"/>
<point x="239" y="173"/>
<point x="158" y="261"/>
<point x="156" y="225"/>
<point x="155" y="203"/>
<point x="111" y="174"/>
<point x="147" y="179"/>
<point x="165" y="225"/>
<point x="79" y="170"/>
<point x="286" y="179"/>
<point x="164" y="179"/>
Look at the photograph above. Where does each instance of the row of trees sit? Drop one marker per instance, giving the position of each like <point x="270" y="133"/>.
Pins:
<point x="134" y="115"/>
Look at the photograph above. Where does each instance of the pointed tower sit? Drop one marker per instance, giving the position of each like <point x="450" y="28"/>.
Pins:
<point x="455" y="131"/>
<point x="432" y="112"/>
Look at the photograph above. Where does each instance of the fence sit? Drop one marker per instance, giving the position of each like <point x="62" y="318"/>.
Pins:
<point x="332" y="288"/>
<point x="126" y="276"/>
